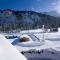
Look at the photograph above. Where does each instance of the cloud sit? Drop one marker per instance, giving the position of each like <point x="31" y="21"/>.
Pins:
<point x="56" y="6"/>
<point x="57" y="2"/>
<point x="33" y="9"/>
<point x="54" y="3"/>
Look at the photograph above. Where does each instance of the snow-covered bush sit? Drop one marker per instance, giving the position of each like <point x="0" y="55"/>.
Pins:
<point x="24" y="39"/>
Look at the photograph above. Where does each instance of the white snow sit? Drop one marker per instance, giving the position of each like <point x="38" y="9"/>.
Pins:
<point x="32" y="31"/>
<point x="25" y="46"/>
<point x="46" y="45"/>
<point x="37" y="44"/>
<point x="8" y="52"/>
<point x="12" y="40"/>
<point x="55" y="35"/>
<point x="25" y="35"/>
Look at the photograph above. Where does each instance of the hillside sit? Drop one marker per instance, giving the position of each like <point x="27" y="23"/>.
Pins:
<point x="23" y="20"/>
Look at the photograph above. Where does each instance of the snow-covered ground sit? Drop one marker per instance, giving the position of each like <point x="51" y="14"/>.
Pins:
<point x="8" y="51"/>
<point x="50" y="36"/>
<point x="32" y="31"/>
<point x="48" y="54"/>
<point x="51" y="40"/>
<point x="37" y="41"/>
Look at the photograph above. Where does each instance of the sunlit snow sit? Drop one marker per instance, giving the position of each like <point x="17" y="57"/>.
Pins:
<point x="8" y="52"/>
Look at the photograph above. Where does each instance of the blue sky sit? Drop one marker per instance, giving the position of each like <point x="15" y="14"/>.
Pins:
<point x="35" y="5"/>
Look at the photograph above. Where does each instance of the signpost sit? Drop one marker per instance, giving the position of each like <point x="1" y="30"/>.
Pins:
<point x="43" y="39"/>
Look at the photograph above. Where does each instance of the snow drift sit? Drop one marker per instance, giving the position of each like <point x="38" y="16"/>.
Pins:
<point x="9" y="52"/>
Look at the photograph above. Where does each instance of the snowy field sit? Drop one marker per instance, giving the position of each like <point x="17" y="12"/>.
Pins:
<point x="50" y="40"/>
<point x="38" y="41"/>
<point x="50" y="47"/>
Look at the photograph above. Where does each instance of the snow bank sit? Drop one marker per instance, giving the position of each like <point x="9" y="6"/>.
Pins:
<point x="25" y="35"/>
<point x="8" y="52"/>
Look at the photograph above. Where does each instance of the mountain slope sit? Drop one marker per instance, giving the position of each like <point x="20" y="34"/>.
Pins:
<point x="10" y="19"/>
